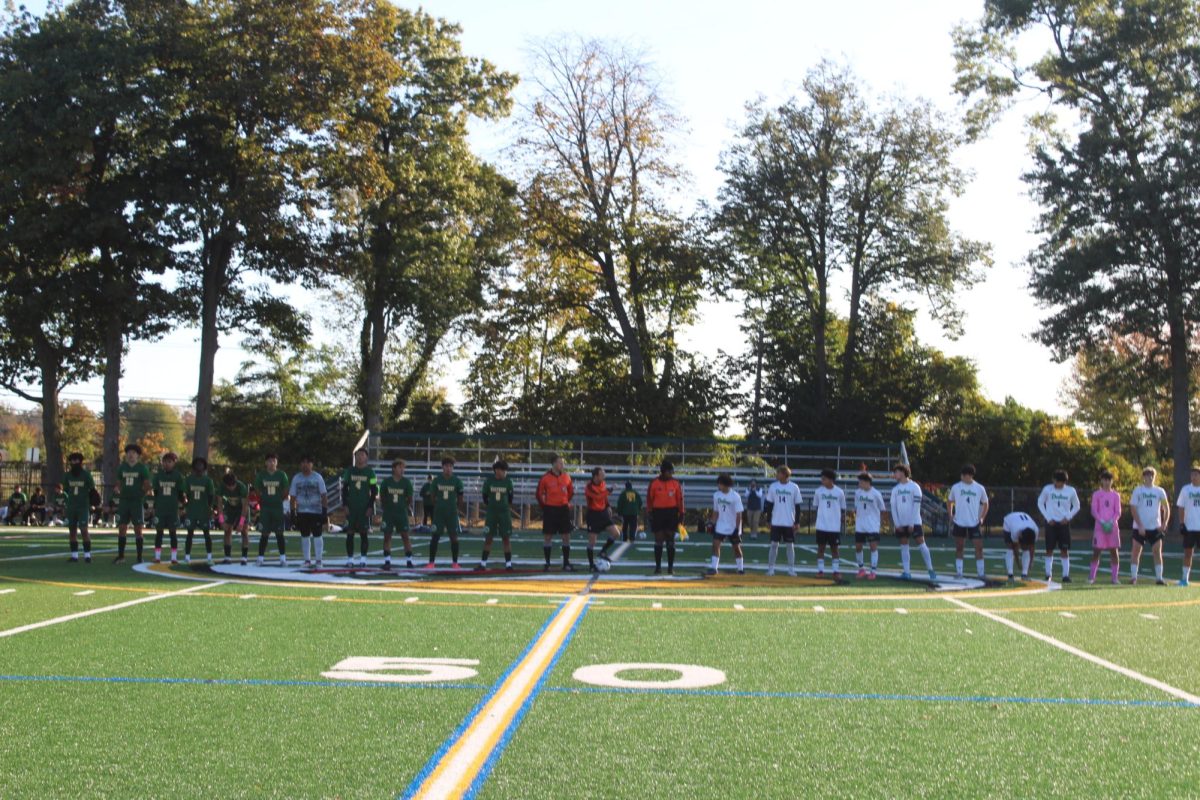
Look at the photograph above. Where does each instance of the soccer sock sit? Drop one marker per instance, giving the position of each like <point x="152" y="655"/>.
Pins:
<point x="1133" y="569"/>
<point x="453" y="551"/>
<point x="262" y="544"/>
<point x="208" y="542"/>
<point x="671" y="555"/>
<point x="75" y="547"/>
<point x="158" y="541"/>
<point x="591" y="554"/>
<point x="1187" y="574"/>
<point x="958" y="564"/>
<point x="120" y="546"/>
<point x="174" y="539"/>
<point x="1066" y="566"/>
<point x="1026" y="562"/>
<point x="1008" y="562"/>
<point x="566" y="554"/>
<point x="791" y="551"/>
<point x="1093" y="569"/>
<point x="925" y="554"/>
<point x="139" y="542"/>
<point x="433" y="548"/>
<point x="1049" y="566"/>
<point x="279" y="540"/>
<point x="483" y="557"/>
<point x="714" y="561"/>
<point x="87" y="547"/>
<point x="604" y="550"/>
<point x="305" y="547"/>
<point x="772" y="554"/>
<point x="874" y="560"/>
<point x="658" y="548"/>
<point x="245" y="550"/>
<point x="821" y="563"/>
<point x="1115" y="569"/>
<point x="546" y="549"/>
<point x="350" y="545"/>
<point x="905" y="558"/>
<point x="1158" y="571"/>
<point x="858" y="558"/>
<point x="187" y="544"/>
<point x="979" y="570"/>
<point x="507" y="557"/>
<point x="364" y="542"/>
<point x="741" y="563"/>
<point x="226" y="548"/>
<point x="319" y="547"/>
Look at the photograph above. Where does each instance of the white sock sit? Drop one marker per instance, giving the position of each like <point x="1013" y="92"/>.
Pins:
<point x="305" y="543"/>
<point x="1066" y="565"/>
<point x="1158" y="571"/>
<point x="925" y="554"/>
<point x="772" y="554"/>
<point x="905" y="557"/>
<point x="1187" y="574"/>
<point x="1133" y="570"/>
<point x="1026" y="562"/>
<point x="741" y="563"/>
<point x="1008" y="562"/>
<point x="1050" y="566"/>
<point x="791" y="556"/>
<point x="874" y="559"/>
<point x="158" y="552"/>
<point x="858" y="558"/>
<point x="715" y="560"/>
<point x="958" y="566"/>
<point x="821" y="563"/>
<point x="979" y="567"/>
<point x="174" y="553"/>
<point x="319" y="547"/>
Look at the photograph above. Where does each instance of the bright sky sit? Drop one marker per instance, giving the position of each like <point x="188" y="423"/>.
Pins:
<point x="714" y="57"/>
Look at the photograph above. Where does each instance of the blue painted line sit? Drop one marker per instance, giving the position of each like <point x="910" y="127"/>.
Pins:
<point x="921" y="698"/>
<point x="435" y="759"/>
<point x="486" y="769"/>
<point x="236" y="682"/>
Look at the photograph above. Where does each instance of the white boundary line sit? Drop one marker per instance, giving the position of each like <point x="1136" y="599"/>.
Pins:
<point x="63" y="554"/>
<point x="1075" y="651"/>
<point x="149" y="599"/>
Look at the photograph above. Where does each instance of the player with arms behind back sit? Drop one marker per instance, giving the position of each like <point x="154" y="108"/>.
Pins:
<point x="968" y="506"/>
<point x="133" y="478"/>
<point x="168" y="495"/>
<point x="310" y="510"/>
<point x="201" y="498"/>
<point x="1058" y="503"/>
<point x="554" y="493"/>
<point x="782" y="507"/>
<point x="1151" y="511"/>
<point x="727" y="523"/>
<point x="361" y="490"/>
<point x="447" y="491"/>
<point x="234" y="513"/>
<point x="664" y="498"/>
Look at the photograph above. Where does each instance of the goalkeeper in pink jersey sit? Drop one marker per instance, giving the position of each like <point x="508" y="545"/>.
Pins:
<point x="1106" y="510"/>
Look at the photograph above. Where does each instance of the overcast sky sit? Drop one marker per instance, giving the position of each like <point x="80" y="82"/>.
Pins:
<point x="713" y="57"/>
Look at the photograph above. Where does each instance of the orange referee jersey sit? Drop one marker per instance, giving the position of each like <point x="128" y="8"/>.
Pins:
<point x="555" y="490"/>
<point x="665" y="494"/>
<point x="597" y="496"/>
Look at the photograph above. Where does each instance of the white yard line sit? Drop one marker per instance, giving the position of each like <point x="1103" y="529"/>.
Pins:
<point x="1075" y="651"/>
<point x="63" y="554"/>
<point x="149" y="599"/>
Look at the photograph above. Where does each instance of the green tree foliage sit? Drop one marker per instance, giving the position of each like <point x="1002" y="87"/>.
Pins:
<point x="82" y="431"/>
<point x="1116" y="163"/>
<point x="156" y="420"/>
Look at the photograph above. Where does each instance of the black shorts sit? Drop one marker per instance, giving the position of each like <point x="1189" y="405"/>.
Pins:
<point x="829" y="538"/>
<point x="971" y="533"/>
<point x="914" y="532"/>
<point x="598" y="521"/>
<point x="734" y="538"/>
<point x="864" y="538"/>
<point x="1149" y="538"/>
<point x="1190" y="538"/>
<point x="1025" y="538"/>
<point x="1058" y="536"/>
<point x="309" y="524"/>
<point x="783" y="533"/>
<point x="664" y="520"/>
<point x="556" y="520"/>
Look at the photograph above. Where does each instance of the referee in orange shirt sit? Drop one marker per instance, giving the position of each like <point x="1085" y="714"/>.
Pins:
<point x="664" y="499"/>
<point x="554" y="493"/>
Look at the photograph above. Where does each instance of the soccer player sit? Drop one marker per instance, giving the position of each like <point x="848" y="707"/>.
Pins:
<point x="80" y="485"/>
<point x="905" y="507"/>
<point x="427" y="502"/>
<point x="396" y="492"/>
<point x="754" y="508"/>
<point x="1150" y="507"/>
<point x="361" y="490"/>
<point x="233" y="515"/>
<point x="830" y="502"/>
<point x="201" y="500"/>
<point x="554" y="493"/>
<point x="599" y="517"/>
<point x="1021" y="532"/>
<point x="133" y="478"/>
<point x="272" y="486"/>
<point x="310" y="508"/>
<point x="1106" y="511"/>
<point x="169" y="495"/>
<point x="782" y="504"/>
<point x="868" y="516"/>
<point x="447" y="490"/>
<point x="968" y="507"/>
<point x="1058" y="503"/>
<point x="629" y="508"/>
<point x="664" y="499"/>
<point x="727" y="510"/>
<point x="497" y="500"/>
<point x="1189" y="522"/>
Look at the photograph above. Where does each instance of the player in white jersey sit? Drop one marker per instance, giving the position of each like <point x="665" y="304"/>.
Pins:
<point x="1189" y="522"/>
<point x="782" y="506"/>
<point x="1151" y="512"/>
<point x="905" y="507"/>
<point x="968" y="506"/>
<point x="1020" y="535"/>
<point x="726" y="523"/>
<point x="868" y="519"/>
<point x="830" y="502"/>
<point x="1058" y="504"/>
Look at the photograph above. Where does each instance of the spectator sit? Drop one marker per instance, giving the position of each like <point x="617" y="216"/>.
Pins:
<point x="58" y="503"/>
<point x="37" y="508"/>
<point x="94" y="504"/>
<point x="17" y="502"/>
<point x="754" y="508"/>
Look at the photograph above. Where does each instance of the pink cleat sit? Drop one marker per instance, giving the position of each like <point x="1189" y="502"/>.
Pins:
<point x="862" y="573"/>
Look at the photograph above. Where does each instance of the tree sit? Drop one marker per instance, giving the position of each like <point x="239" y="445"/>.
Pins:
<point x="421" y="222"/>
<point x="825" y="185"/>
<point x="1116" y="163"/>
<point x="82" y="431"/>
<point x="153" y="420"/>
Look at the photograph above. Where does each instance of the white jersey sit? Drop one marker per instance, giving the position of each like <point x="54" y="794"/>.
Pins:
<point x="1145" y="501"/>
<point x="1017" y="523"/>
<point x="1189" y="501"/>
<point x="784" y="498"/>
<point x="830" y="503"/>
<point x="727" y="505"/>
<point x="906" y="504"/>
<point x="307" y="489"/>
<point x="1058" y="505"/>
<point x="868" y="510"/>
<point x="968" y="499"/>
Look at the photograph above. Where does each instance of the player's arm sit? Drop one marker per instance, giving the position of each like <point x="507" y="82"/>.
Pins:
<point x="1164" y="512"/>
<point x="1075" y="505"/>
<point x="1043" y="503"/>
<point x="984" y="505"/>
<point x="1133" y="512"/>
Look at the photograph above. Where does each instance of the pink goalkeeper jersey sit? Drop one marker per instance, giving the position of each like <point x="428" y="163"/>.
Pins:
<point x="1106" y="507"/>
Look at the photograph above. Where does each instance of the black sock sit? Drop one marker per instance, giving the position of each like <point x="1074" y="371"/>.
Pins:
<point x="387" y="554"/>
<point x="228" y="548"/>
<point x="508" y="556"/>
<point x="364" y="539"/>
<point x="546" y="553"/>
<point x="349" y="545"/>
<point x="671" y="555"/>
<point x="484" y="556"/>
<point x="158" y="538"/>
<point x="174" y="539"/>
<point x="245" y="551"/>
<point x="433" y="547"/>
<point x="208" y="542"/>
<point x="604" y="550"/>
<point x="454" y="551"/>
<point x="281" y="542"/>
<point x="187" y="543"/>
<point x="658" y="548"/>
<point x="120" y="546"/>
<point x="566" y="551"/>
<point x="74" y="547"/>
<point x="138" y="541"/>
<point x="591" y="551"/>
<point x="87" y="546"/>
<point x="408" y="555"/>
<point x="262" y="544"/>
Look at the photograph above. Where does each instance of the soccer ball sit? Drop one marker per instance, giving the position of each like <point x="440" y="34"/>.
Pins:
<point x="604" y="565"/>
<point x="641" y="534"/>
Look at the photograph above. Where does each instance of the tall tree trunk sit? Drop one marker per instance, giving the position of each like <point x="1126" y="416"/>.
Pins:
<point x="375" y="337"/>
<point x="111" y="443"/>
<point x="404" y="391"/>
<point x="756" y="409"/>
<point x="633" y="345"/>
<point x="1181" y="374"/>
<point x="820" y="337"/>
<point x="850" y="357"/>
<point x="48" y="365"/>
<point x="216" y="265"/>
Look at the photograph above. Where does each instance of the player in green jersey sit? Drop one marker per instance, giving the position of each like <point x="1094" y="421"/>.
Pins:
<point x="168" y="495"/>
<point x="272" y="485"/>
<point x="497" y="499"/>
<point x="201" y="499"/>
<point x="79" y="488"/>
<point x="133" y="482"/>
<point x="447" y="490"/>
<point x="233" y="515"/>
<point x="359" y="489"/>
<point x="396" y="492"/>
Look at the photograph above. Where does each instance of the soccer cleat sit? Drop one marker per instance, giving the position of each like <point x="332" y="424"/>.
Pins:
<point x="243" y="562"/>
<point x="1116" y="581"/>
<point x="906" y="576"/>
<point x="932" y="575"/>
<point x="1183" y="583"/>
<point x="1066" y="579"/>
<point x="791" y="572"/>
<point x="119" y="560"/>
<point x="710" y="571"/>
<point x="87" y="559"/>
<point x="862" y="573"/>
<point x="546" y="568"/>
<point x="187" y="560"/>
<point x="1049" y="578"/>
<point x="157" y="560"/>
<point x="283" y="561"/>
<point x="480" y="567"/>
<point x="209" y="559"/>
<point x="307" y="564"/>
<point x="1160" y="582"/>
<point x="258" y="562"/>
<point x="430" y="565"/>
<point x="837" y="576"/>
<point x="670" y="570"/>
<point x="741" y="572"/>
<point x="871" y="577"/>
<point x="387" y="565"/>
<point x="568" y="567"/>
<point x="1011" y="581"/>
<point x="508" y="568"/>
<point x="658" y="570"/>
<point x="455" y="566"/>
<point x="820" y="573"/>
<point x="1133" y="581"/>
<point x="1024" y="577"/>
<point x="410" y="564"/>
<point x="73" y="560"/>
<point x="319" y="565"/>
<point x="770" y="572"/>
<point x="225" y="560"/>
<point x="349" y="563"/>
<point x="958" y="576"/>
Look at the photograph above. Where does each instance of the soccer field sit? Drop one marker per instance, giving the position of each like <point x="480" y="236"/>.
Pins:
<point x="221" y="682"/>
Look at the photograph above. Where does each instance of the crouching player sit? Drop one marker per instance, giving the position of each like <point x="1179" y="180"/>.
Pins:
<point x="868" y="515"/>
<point x="905" y="505"/>
<point x="80" y="485"/>
<point x="727" y="510"/>
<point x="396" y="492"/>
<point x="1151" y="511"/>
<point x="272" y="485"/>
<point x="233" y="515"/>
<point x="599" y="517"/>
<point x="1189" y="523"/>
<point x="1020" y="534"/>
<point x="497" y="499"/>
<point x="1106" y="511"/>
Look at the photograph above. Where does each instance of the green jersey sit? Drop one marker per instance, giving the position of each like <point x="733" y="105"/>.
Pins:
<point x="133" y="480"/>
<point x="60" y="500"/>
<point x="168" y="492"/>
<point x="201" y="494"/>
<point x="79" y="488"/>
<point x="397" y="494"/>
<point x="233" y="500"/>
<point x="629" y="503"/>
<point x="497" y="495"/>
<point x="272" y="489"/>
<point x="359" y="486"/>
<point x="18" y="498"/>
<point x="446" y="492"/>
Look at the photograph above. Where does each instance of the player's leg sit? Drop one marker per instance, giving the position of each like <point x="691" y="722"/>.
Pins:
<point x="874" y="542"/>
<point x="1158" y="560"/>
<point x="591" y="547"/>
<point x="1114" y="564"/>
<point x="454" y="530"/>
<point x="612" y="533"/>
<point x="1065" y="555"/>
<point x="859" y="541"/>
<point x="506" y="542"/>
<point x="789" y="542"/>
<point x="822" y="542"/>
<point x="776" y="536"/>
<point x="435" y="537"/>
<point x="1010" y="555"/>
<point x="266" y="526"/>
<point x="86" y="535"/>
<point x="227" y="529"/>
<point x="835" y="548"/>
<point x="350" y="540"/>
<point x="657" y="525"/>
<point x="1135" y="556"/>
<point x="1189" y="548"/>
<point x="739" y="558"/>
<point x="548" y="524"/>
<point x="123" y="520"/>
<point x="980" y="565"/>
<point x="715" y="560"/>
<point x="139" y="541"/>
<point x="1051" y="537"/>
<point x="1094" y="565"/>
<point x="305" y="540"/>
<point x="566" y="550"/>
<point x="406" y="539"/>
<point x="488" y="539"/>
<point x="672" y="526"/>
<point x="902" y="536"/>
<point x="158" y="540"/>
<point x="73" y="538"/>
<point x="364" y="538"/>
<point x="187" y="542"/>
<point x="923" y="549"/>
<point x="388" y="528"/>
<point x="206" y="531"/>
<point x="244" y="526"/>
<point x="960" y="546"/>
